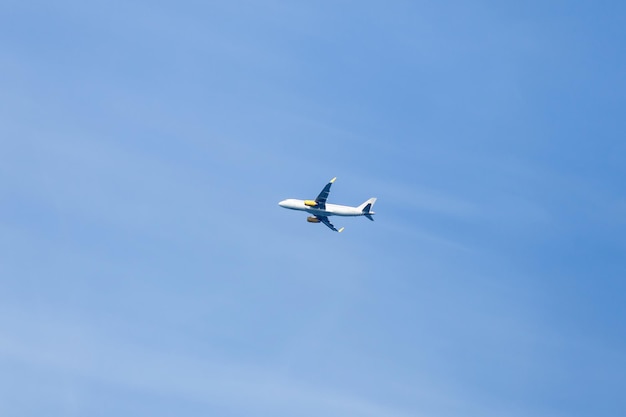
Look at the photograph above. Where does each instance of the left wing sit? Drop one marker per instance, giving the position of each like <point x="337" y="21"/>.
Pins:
<point x="323" y="196"/>
<point x="324" y="219"/>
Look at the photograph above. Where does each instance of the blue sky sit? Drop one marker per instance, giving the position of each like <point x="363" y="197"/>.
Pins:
<point x="146" y="268"/>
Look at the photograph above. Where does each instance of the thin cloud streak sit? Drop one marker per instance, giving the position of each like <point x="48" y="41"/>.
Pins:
<point x="74" y="350"/>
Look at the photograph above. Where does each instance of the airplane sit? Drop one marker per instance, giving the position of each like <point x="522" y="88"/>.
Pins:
<point x="320" y="210"/>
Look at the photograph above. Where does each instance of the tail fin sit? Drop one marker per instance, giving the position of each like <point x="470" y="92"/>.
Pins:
<point x="366" y="208"/>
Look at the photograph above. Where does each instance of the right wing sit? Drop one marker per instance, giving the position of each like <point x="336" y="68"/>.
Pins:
<point x="321" y="198"/>
<point x="324" y="219"/>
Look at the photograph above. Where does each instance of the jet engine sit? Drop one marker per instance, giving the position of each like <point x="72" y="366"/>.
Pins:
<point x="310" y="203"/>
<point x="312" y="219"/>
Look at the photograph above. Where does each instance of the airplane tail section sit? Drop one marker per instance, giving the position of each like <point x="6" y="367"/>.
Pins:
<point x="366" y="208"/>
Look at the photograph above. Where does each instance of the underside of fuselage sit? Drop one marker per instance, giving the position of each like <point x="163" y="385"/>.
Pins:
<point x="328" y="210"/>
<point x="334" y="212"/>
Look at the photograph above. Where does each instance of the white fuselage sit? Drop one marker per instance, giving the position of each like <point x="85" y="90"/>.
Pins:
<point x="329" y="210"/>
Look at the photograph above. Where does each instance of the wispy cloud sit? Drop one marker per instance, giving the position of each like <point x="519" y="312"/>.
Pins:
<point x="75" y="350"/>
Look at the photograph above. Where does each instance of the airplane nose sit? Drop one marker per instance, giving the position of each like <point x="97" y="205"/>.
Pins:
<point x="282" y="203"/>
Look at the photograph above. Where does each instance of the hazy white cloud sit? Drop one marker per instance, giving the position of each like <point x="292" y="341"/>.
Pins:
<point x="72" y="349"/>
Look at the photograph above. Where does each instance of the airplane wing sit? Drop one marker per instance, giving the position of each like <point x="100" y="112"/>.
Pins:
<point x="321" y="198"/>
<point x="324" y="219"/>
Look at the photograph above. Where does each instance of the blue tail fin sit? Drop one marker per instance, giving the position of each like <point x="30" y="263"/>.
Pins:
<point x="366" y="208"/>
